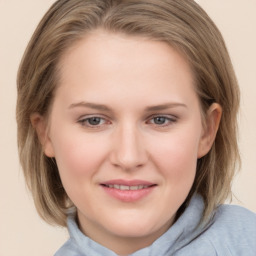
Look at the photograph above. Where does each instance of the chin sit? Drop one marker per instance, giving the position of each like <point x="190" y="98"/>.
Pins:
<point x="132" y="228"/>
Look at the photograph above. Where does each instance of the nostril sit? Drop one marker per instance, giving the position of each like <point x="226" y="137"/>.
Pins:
<point x="128" y="150"/>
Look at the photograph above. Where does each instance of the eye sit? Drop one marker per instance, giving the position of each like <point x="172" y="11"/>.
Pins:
<point x="93" y="121"/>
<point x="162" y="120"/>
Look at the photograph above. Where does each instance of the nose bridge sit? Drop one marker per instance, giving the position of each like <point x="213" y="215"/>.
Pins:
<point x="129" y="151"/>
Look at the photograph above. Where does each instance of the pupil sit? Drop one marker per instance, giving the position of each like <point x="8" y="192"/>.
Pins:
<point x="94" y="120"/>
<point x="159" y="120"/>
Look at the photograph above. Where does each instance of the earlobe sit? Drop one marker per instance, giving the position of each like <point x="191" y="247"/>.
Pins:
<point x="211" y="126"/>
<point x="40" y="125"/>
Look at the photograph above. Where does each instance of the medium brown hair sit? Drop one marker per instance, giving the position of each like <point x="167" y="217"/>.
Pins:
<point x="180" y="23"/>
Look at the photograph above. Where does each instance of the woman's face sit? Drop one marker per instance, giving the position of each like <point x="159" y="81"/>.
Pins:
<point x="126" y="131"/>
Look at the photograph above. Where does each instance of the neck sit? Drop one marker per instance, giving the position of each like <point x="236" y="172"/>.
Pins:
<point x="122" y="245"/>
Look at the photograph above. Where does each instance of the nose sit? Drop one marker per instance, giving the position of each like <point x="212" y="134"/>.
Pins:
<point x="129" y="151"/>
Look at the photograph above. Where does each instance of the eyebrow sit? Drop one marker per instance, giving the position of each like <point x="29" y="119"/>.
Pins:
<point x="165" y="106"/>
<point x="102" y="107"/>
<point x="90" y="105"/>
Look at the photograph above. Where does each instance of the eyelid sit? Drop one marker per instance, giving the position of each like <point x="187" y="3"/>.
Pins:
<point x="172" y="119"/>
<point x="83" y="119"/>
<point x="168" y="116"/>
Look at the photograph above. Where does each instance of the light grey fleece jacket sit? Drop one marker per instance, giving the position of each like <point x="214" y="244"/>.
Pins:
<point x="231" y="232"/>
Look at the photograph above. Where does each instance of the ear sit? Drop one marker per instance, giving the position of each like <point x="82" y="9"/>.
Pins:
<point x="40" y="125"/>
<point x="211" y="126"/>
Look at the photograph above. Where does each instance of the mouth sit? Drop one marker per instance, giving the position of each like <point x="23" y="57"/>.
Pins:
<point x="125" y="187"/>
<point x="128" y="191"/>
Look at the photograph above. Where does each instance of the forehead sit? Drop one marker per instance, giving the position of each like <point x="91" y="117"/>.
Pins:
<point x="108" y="48"/>
<point x="102" y="60"/>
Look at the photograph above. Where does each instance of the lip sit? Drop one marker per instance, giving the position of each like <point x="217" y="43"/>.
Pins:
<point x="128" y="182"/>
<point x="128" y="195"/>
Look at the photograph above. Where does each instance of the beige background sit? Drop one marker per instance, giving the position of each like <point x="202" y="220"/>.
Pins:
<point x="21" y="230"/>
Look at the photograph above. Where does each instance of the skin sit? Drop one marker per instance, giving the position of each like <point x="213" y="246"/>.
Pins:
<point x="128" y="82"/>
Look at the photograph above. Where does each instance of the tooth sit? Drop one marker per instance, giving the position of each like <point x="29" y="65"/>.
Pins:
<point x="123" y="187"/>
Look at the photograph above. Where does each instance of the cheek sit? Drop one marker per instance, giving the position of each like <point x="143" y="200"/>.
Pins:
<point x="77" y="156"/>
<point x="78" y="162"/>
<point x="176" y="157"/>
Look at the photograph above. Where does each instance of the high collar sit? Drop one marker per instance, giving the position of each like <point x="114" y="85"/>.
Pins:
<point x="182" y="232"/>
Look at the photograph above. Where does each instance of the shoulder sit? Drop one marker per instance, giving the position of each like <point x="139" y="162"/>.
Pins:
<point x="233" y="228"/>
<point x="235" y="218"/>
<point x="68" y="249"/>
<point x="225" y="211"/>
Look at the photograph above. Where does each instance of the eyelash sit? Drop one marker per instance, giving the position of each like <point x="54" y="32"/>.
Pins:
<point x="168" y="120"/>
<point x="85" y="121"/>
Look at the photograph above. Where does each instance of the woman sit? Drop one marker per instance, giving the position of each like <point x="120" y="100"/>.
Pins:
<point x="127" y="129"/>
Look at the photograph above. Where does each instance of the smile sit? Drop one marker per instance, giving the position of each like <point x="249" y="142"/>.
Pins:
<point x="128" y="191"/>
<point x="124" y="187"/>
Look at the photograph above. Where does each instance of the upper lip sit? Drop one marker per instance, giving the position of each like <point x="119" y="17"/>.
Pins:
<point x="128" y="182"/>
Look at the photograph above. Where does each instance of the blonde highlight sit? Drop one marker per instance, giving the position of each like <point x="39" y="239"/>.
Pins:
<point x="180" y="23"/>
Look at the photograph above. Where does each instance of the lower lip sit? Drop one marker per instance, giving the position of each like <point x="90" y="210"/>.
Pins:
<point x="128" y="195"/>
